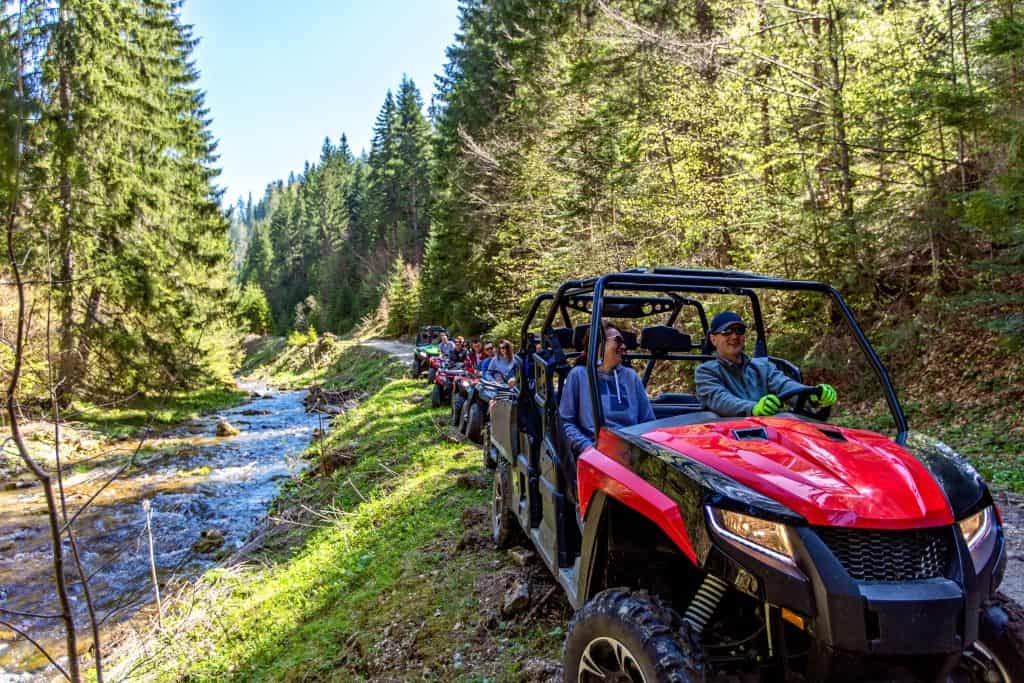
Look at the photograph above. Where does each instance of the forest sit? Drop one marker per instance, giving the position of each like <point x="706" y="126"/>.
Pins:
<point x="114" y="235"/>
<point x="875" y="145"/>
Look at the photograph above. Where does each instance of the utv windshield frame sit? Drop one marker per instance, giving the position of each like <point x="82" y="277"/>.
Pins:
<point x="590" y="295"/>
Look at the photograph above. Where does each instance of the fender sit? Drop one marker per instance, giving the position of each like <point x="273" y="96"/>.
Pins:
<point x="597" y="472"/>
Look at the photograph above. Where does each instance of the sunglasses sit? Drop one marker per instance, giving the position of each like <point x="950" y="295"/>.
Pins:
<point x="738" y="330"/>
<point x="618" y="339"/>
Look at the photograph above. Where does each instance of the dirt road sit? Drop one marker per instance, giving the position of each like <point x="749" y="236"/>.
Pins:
<point x="401" y="350"/>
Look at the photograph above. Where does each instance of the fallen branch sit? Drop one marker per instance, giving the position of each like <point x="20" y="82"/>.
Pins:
<point x="358" y="492"/>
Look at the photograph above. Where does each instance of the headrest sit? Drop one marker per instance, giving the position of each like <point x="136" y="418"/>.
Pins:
<point x="665" y="339"/>
<point x="564" y="336"/>
<point x="580" y="331"/>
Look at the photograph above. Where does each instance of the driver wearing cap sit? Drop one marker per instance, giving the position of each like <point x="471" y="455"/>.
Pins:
<point x="735" y="385"/>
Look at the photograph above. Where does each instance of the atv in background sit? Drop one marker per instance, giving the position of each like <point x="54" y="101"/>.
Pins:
<point x="426" y="348"/>
<point x="475" y="413"/>
<point x="700" y="548"/>
<point x="461" y="389"/>
<point x="444" y="377"/>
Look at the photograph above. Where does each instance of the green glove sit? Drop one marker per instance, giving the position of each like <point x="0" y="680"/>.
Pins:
<point x="768" y="405"/>
<point x="828" y="396"/>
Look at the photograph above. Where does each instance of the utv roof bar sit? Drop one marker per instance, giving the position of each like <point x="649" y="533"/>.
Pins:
<point x="683" y="280"/>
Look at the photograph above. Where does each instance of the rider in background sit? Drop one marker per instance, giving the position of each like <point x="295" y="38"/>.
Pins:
<point x="623" y="397"/>
<point x="735" y="385"/>
<point x="458" y="353"/>
<point x="445" y="346"/>
<point x="486" y="358"/>
<point x="475" y="355"/>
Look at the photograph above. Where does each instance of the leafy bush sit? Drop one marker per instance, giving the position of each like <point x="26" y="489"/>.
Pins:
<point x="298" y="338"/>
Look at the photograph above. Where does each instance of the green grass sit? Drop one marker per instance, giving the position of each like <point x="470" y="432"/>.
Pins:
<point x="330" y="361"/>
<point x="124" y="419"/>
<point x="378" y="589"/>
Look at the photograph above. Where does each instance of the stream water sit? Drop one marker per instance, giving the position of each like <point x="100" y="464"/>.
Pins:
<point x="199" y="484"/>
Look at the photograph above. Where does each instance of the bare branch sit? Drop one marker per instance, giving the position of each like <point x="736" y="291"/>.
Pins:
<point x="7" y="624"/>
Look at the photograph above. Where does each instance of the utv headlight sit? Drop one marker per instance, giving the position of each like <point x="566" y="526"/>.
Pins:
<point x="753" y="534"/>
<point x="979" y="534"/>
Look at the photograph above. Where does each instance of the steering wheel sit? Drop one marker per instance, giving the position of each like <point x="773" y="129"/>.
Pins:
<point x="801" y="406"/>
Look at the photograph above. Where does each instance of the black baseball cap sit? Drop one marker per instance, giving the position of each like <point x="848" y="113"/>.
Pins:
<point x="723" y="320"/>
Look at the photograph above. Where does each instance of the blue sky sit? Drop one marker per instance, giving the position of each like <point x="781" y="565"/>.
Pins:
<point x="280" y="76"/>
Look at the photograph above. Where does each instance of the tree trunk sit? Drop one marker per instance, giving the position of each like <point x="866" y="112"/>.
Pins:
<point x="69" y="364"/>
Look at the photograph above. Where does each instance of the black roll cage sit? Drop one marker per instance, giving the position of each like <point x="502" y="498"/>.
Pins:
<point x="589" y="293"/>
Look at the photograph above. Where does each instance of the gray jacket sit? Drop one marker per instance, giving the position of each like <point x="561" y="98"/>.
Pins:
<point x="733" y="389"/>
<point x="624" y="403"/>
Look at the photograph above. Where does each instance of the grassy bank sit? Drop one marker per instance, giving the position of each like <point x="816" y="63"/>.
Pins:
<point x="124" y="419"/>
<point x="327" y="360"/>
<point x="378" y="570"/>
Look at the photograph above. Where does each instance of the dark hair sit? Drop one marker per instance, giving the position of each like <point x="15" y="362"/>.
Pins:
<point x="603" y="327"/>
<point x="503" y="344"/>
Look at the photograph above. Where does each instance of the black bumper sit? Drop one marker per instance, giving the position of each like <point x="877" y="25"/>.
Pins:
<point x="847" y="617"/>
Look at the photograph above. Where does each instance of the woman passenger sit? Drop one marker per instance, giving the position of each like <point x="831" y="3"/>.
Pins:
<point x="622" y="393"/>
<point x="502" y="368"/>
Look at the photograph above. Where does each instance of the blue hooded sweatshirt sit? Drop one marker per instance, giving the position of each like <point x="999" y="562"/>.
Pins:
<point x="623" y="398"/>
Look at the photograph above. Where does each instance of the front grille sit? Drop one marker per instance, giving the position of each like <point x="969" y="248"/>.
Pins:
<point x="890" y="556"/>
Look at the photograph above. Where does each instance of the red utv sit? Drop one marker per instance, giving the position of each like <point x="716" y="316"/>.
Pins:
<point x="787" y="548"/>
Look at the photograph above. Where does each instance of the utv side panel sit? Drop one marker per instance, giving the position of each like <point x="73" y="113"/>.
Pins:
<point x="598" y="472"/>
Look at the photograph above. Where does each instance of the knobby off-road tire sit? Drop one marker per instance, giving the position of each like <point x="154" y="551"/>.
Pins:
<point x="475" y="422"/>
<point x="999" y="653"/>
<point x="435" y="396"/>
<point x="632" y="635"/>
<point x="464" y="417"/>
<point x="415" y="371"/>
<point x="505" y="531"/>
<point x="458" y="401"/>
<point x="431" y="373"/>
<point x="489" y="461"/>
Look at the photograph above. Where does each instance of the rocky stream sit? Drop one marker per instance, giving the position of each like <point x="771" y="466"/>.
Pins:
<point x="204" y="492"/>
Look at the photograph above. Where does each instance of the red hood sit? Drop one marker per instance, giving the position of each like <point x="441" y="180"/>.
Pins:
<point x="865" y="481"/>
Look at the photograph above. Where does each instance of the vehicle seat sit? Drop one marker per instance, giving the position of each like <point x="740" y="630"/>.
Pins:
<point x="564" y="335"/>
<point x="660" y="341"/>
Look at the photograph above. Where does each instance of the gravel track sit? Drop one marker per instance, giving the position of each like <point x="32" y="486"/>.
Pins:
<point x="401" y="350"/>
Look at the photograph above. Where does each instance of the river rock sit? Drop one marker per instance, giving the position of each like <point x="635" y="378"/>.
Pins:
<point x="517" y="598"/>
<point x="254" y="411"/>
<point x="209" y="541"/>
<point x="18" y="484"/>
<point x="541" y="671"/>
<point x="521" y="556"/>
<point x="225" y="428"/>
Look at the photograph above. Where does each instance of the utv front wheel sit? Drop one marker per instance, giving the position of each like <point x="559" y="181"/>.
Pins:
<point x="489" y="461"/>
<point x="998" y="656"/>
<point x="435" y="396"/>
<point x="505" y="530"/>
<point x="624" y="635"/>
<point x="430" y="375"/>
<point x="475" y="422"/>
<point x="415" y="371"/>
